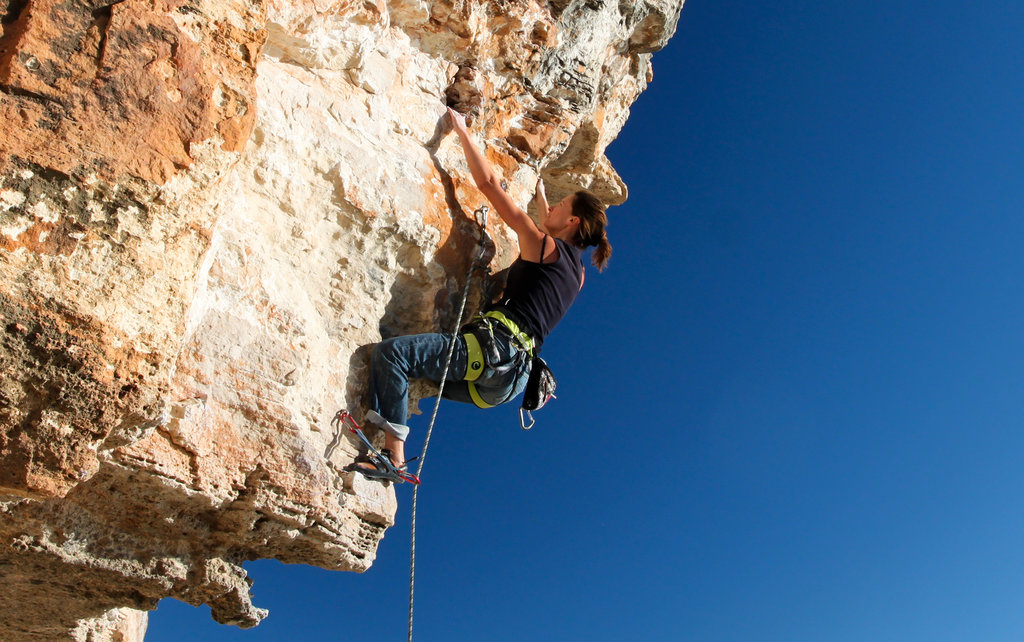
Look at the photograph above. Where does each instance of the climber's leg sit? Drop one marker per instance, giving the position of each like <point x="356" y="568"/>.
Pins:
<point x="393" y="363"/>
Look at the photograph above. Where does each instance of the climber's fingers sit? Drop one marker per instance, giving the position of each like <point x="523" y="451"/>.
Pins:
<point x="458" y="120"/>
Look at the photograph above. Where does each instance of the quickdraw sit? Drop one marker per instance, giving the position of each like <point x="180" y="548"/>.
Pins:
<point x="383" y="468"/>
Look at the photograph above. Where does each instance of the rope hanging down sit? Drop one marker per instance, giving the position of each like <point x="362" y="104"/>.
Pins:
<point x="478" y="263"/>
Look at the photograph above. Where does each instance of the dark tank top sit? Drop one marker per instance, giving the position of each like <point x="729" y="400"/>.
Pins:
<point x="537" y="295"/>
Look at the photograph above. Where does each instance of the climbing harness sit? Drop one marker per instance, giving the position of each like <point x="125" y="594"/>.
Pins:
<point x="540" y="387"/>
<point x="478" y="263"/>
<point x="479" y="335"/>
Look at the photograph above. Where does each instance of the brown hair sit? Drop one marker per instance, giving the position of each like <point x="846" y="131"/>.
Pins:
<point x="591" y="232"/>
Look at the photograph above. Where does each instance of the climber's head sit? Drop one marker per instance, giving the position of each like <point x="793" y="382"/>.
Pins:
<point x="559" y="221"/>
<point x="588" y="211"/>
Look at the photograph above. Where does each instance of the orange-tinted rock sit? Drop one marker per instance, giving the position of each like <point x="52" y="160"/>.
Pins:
<point x="122" y="88"/>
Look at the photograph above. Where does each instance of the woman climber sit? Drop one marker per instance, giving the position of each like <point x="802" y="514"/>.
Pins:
<point x="542" y="283"/>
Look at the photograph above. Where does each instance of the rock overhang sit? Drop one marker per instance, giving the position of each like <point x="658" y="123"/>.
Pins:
<point x="208" y="212"/>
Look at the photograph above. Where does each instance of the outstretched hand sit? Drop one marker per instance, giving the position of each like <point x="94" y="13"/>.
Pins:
<point x="458" y="120"/>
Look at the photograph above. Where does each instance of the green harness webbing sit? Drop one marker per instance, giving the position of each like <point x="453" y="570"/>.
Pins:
<point x="475" y="358"/>
<point x="474" y="367"/>
<point x="525" y="342"/>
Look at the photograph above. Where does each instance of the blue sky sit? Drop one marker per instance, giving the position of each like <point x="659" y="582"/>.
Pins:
<point x="791" y="407"/>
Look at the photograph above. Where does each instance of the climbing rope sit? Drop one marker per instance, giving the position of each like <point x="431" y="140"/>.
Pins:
<point x="477" y="263"/>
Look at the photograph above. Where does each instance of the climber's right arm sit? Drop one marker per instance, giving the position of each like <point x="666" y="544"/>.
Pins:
<point x="530" y="236"/>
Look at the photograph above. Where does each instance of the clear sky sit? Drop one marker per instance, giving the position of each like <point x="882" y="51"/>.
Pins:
<point x="791" y="409"/>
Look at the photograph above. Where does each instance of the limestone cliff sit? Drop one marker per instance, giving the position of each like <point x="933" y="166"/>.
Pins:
<point x="209" y="210"/>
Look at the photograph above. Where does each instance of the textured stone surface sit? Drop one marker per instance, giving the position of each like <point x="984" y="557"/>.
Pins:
<point x="209" y="211"/>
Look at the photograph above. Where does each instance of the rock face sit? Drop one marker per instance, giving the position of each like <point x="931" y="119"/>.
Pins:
<point x="209" y="211"/>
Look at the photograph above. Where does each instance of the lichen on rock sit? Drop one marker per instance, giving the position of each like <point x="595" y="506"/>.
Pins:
<point x="209" y="211"/>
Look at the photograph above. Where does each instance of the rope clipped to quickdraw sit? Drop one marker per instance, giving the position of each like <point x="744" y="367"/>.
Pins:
<point x="478" y="263"/>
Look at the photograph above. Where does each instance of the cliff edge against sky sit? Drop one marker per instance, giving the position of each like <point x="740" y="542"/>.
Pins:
<point x="209" y="210"/>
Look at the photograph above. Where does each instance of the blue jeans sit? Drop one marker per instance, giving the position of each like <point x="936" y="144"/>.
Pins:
<point x="422" y="356"/>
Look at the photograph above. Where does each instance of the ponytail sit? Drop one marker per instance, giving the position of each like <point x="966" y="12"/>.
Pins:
<point x="602" y="253"/>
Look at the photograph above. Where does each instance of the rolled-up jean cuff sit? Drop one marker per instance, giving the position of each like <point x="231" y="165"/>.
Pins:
<point x="399" y="431"/>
